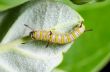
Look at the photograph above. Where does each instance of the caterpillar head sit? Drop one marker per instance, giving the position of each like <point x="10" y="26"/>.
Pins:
<point x="31" y="34"/>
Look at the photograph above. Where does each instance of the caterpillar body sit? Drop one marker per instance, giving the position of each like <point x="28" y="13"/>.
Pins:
<point x="55" y="37"/>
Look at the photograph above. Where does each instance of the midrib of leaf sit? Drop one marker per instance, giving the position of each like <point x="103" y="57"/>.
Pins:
<point x="14" y="44"/>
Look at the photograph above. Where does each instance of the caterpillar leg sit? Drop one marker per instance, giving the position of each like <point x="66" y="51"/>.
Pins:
<point x="50" y="33"/>
<point x="23" y="43"/>
<point x="81" y="24"/>
<point x="49" y="40"/>
<point x="47" y="44"/>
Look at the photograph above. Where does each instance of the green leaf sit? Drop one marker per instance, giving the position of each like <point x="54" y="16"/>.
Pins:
<point x="80" y="2"/>
<point x="58" y="70"/>
<point x="91" y="52"/>
<point x="7" y="4"/>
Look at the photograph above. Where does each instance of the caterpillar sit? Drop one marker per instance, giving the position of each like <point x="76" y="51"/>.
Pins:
<point x="55" y="37"/>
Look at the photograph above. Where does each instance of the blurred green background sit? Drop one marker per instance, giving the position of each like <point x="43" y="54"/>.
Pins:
<point x="91" y="51"/>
